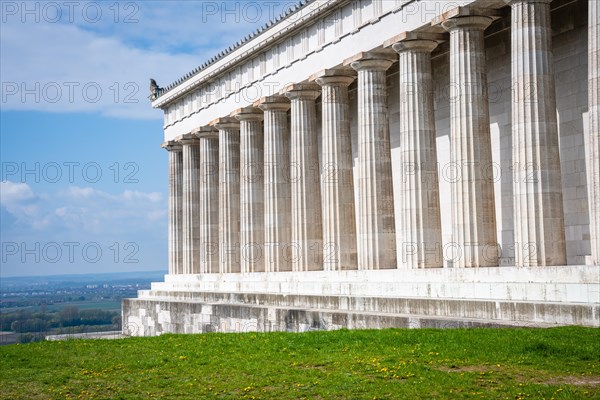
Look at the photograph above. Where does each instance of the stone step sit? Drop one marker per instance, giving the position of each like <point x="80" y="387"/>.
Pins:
<point x="571" y="284"/>
<point x="554" y="292"/>
<point x="497" y="310"/>
<point x="296" y="301"/>
<point x="155" y="316"/>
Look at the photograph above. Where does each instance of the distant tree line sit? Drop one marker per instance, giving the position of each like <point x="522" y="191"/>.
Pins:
<point x="34" y="326"/>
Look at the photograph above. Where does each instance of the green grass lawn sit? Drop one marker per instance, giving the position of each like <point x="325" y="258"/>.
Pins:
<point x="558" y="363"/>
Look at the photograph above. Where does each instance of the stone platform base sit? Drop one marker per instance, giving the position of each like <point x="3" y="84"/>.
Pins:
<point x="503" y="296"/>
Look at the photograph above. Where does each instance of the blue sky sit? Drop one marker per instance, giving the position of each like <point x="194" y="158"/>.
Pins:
<point x="84" y="180"/>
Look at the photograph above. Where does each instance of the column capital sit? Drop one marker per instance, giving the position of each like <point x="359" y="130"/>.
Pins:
<point x="513" y="2"/>
<point x="466" y="17"/>
<point x="269" y="103"/>
<point x="458" y="13"/>
<point x="417" y="46"/>
<point x="225" y="123"/>
<point x="171" y="145"/>
<point x="307" y="91"/>
<point x="475" y="22"/>
<point x="338" y="76"/>
<point x="410" y="36"/>
<point x="373" y="60"/>
<point x="248" y="114"/>
<point x="187" y="139"/>
<point x="206" y="132"/>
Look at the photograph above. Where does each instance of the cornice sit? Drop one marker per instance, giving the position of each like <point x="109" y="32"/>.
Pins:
<point x="245" y="49"/>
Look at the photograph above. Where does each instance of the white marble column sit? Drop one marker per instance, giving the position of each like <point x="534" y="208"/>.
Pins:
<point x="252" y="233"/>
<point x="376" y="226"/>
<point x="337" y="182"/>
<point x="473" y="208"/>
<point x="277" y="196"/>
<point x="209" y="199"/>
<point x="307" y="235"/>
<point x="594" y="126"/>
<point x="175" y="206"/>
<point x="229" y="194"/>
<point x="539" y="219"/>
<point x="420" y="233"/>
<point x="190" y="204"/>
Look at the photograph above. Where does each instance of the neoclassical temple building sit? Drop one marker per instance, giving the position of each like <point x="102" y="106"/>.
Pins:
<point x="386" y="163"/>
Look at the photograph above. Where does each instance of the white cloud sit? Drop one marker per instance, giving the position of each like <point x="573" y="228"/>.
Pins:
<point x="104" y="65"/>
<point x="14" y="192"/>
<point x="125" y="231"/>
<point x="82" y="210"/>
<point x="77" y="192"/>
<point x="20" y="201"/>
<point x="141" y="196"/>
<point x="71" y="70"/>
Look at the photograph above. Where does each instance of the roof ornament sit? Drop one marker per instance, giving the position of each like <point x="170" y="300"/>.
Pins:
<point x="154" y="89"/>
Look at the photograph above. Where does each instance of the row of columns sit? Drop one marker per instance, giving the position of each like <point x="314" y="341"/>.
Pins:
<point x="260" y="190"/>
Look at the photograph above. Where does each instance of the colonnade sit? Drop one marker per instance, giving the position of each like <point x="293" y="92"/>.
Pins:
<point x="250" y="192"/>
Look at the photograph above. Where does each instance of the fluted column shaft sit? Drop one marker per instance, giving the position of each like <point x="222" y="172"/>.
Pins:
<point x="307" y="239"/>
<point x="209" y="199"/>
<point x="277" y="196"/>
<point x="473" y="207"/>
<point x="337" y="182"/>
<point x="190" y="204"/>
<point x="175" y="206"/>
<point x="594" y="126"/>
<point x="251" y="189"/>
<point x="420" y="232"/>
<point x="376" y="225"/>
<point x="229" y="194"/>
<point x="539" y="219"/>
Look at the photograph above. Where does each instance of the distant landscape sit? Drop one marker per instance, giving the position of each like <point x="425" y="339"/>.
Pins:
<point x="34" y="307"/>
